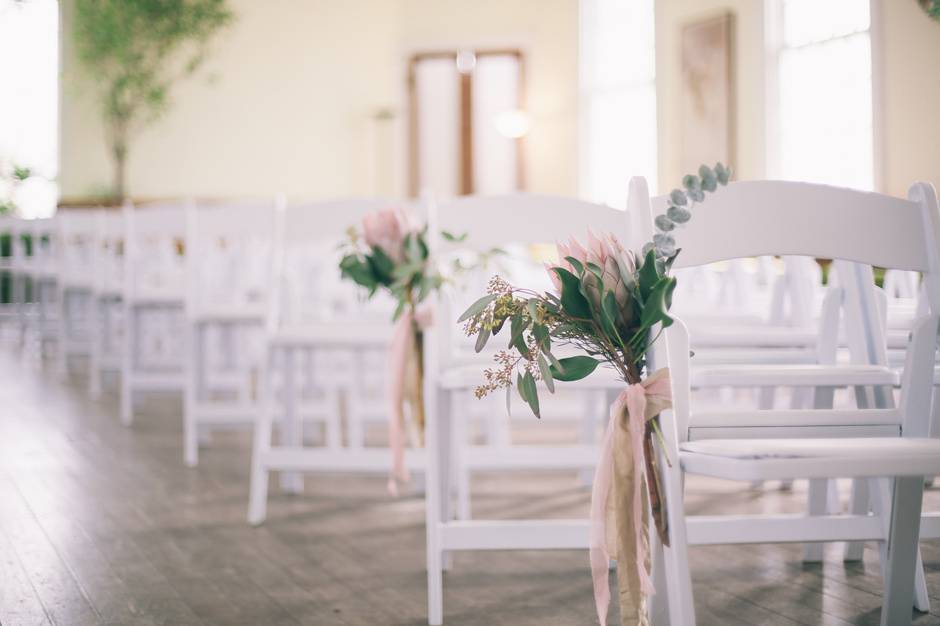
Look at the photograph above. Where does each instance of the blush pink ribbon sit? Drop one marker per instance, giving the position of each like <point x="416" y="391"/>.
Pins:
<point x="657" y="388"/>
<point x="403" y="341"/>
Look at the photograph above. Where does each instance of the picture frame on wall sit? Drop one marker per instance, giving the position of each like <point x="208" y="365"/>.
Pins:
<point x="707" y="95"/>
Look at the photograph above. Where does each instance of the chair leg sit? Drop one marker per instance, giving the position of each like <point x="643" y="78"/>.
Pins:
<point x="96" y="327"/>
<point x="880" y="493"/>
<point x="817" y="504"/>
<point x="333" y="423"/>
<point x="192" y="377"/>
<point x="437" y="465"/>
<point x="860" y="504"/>
<point x="291" y="426"/>
<point x="902" y="550"/>
<point x="127" y="365"/>
<point x="678" y="576"/>
<point x="659" y="602"/>
<point x="264" y="425"/>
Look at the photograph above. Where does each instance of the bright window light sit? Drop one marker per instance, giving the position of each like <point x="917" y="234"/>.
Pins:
<point x="824" y="93"/>
<point x="618" y="97"/>
<point x="29" y="65"/>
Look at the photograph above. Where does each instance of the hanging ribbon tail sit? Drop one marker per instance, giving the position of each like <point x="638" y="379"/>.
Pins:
<point x="600" y="491"/>
<point x="636" y="404"/>
<point x="402" y="339"/>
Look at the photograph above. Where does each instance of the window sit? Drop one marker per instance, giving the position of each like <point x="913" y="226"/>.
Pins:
<point x="618" y="97"/>
<point x="821" y="98"/>
<point x="29" y="65"/>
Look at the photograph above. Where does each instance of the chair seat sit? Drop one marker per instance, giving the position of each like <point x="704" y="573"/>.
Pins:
<point x="740" y="356"/>
<point x="768" y="459"/>
<point x="793" y="375"/>
<point x="334" y="333"/>
<point x="234" y="313"/>
<point x="743" y="336"/>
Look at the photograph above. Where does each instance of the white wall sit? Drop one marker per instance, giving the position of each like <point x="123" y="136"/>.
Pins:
<point x="910" y="48"/>
<point x="293" y="89"/>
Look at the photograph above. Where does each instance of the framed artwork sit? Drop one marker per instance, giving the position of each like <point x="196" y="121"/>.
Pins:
<point x="707" y="97"/>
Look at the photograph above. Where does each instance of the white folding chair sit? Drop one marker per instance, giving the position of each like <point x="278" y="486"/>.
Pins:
<point x="229" y="262"/>
<point x="316" y="340"/>
<point x="75" y="236"/>
<point x="452" y="370"/>
<point x="107" y="290"/>
<point x="887" y="446"/>
<point x="153" y="302"/>
<point x="35" y="278"/>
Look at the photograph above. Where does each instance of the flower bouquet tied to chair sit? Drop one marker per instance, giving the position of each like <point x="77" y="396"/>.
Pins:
<point x="609" y="306"/>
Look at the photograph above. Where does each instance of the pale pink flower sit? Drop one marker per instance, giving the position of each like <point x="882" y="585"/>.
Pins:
<point x="386" y="230"/>
<point x="615" y="262"/>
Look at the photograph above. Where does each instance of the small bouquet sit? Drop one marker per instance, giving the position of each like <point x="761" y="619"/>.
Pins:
<point x="608" y="302"/>
<point x="391" y="252"/>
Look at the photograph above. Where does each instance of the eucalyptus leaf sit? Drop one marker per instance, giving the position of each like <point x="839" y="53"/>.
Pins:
<point x="546" y="370"/>
<point x="531" y="392"/>
<point x="482" y="337"/>
<point x="678" y="214"/>
<point x="678" y="198"/>
<point x="664" y="223"/>
<point x="477" y="307"/>
<point x="691" y="181"/>
<point x="574" y="368"/>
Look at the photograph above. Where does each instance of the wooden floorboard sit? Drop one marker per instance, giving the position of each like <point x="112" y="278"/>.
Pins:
<point x="102" y="524"/>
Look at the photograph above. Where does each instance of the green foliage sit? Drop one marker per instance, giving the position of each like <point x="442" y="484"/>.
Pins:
<point x="608" y="304"/>
<point x="678" y="211"/>
<point x="135" y="50"/>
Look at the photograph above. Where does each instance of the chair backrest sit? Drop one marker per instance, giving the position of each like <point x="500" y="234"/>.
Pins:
<point x="229" y="256"/>
<point x="35" y="243"/>
<point x="154" y="252"/>
<point x="523" y="224"/>
<point x="109" y="251"/>
<point x="74" y="244"/>
<point x="790" y="218"/>
<point x="306" y="262"/>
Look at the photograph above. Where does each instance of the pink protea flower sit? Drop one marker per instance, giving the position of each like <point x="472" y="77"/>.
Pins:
<point x="386" y="230"/>
<point x="616" y="264"/>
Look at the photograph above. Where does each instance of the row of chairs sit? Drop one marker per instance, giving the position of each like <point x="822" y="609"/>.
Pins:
<point x="884" y="447"/>
<point x="239" y="306"/>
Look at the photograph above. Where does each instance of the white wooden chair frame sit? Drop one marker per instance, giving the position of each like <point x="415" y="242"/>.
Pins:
<point x="895" y="523"/>
<point x="489" y="222"/>
<point x="326" y="223"/>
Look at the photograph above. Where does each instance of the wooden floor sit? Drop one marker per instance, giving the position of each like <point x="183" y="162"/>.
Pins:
<point x="102" y="524"/>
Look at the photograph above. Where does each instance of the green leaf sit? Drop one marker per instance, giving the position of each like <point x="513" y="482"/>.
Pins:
<point x="576" y="264"/>
<point x="664" y="223"/>
<point x="542" y="336"/>
<point x="647" y="277"/>
<point x="655" y="308"/>
<point x="677" y="197"/>
<point x="678" y="214"/>
<point x="452" y="237"/>
<point x="531" y="392"/>
<point x="574" y="368"/>
<point x="517" y="338"/>
<point x="477" y="307"/>
<point x="722" y="173"/>
<point x="609" y="313"/>
<point x="709" y="180"/>
<point x="546" y="371"/>
<point x="574" y="304"/>
<point x="598" y="272"/>
<point x="691" y="181"/>
<point x="482" y="337"/>
<point x="532" y="306"/>
<point x="382" y="265"/>
<point x="360" y="272"/>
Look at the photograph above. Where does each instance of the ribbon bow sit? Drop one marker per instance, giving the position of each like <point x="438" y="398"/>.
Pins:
<point x="404" y="346"/>
<point x="637" y="403"/>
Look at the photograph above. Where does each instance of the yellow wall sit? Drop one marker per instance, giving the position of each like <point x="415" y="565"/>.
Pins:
<point x="293" y="89"/>
<point x="911" y="96"/>
<point x="910" y="49"/>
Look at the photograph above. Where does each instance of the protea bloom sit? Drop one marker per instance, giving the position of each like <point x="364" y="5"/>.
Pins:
<point x="615" y="262"/>
<point x="386" y="230"/>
